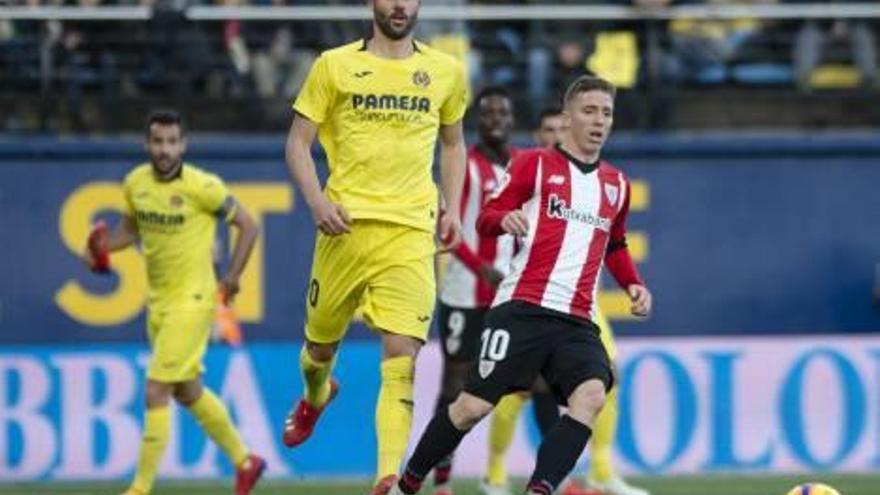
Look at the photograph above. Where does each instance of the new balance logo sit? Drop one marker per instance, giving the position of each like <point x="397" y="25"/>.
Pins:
<point x="556" y="180"/>
<point x="363" y="73"/>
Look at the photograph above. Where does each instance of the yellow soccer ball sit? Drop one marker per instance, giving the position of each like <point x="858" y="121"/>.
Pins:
<point x="813" y="489"/>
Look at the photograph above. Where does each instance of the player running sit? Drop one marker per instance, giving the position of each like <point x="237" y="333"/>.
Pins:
<point x="172" y="210"/>
<point x="601" y="478"/>
<point x="377" y="106"/>
<point x="569" y="208"/>
<point x="480" y="262"/>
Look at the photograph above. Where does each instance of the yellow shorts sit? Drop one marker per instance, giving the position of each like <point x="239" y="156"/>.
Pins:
<point x="178" y="340"/>
<point x="607" y="335"/>
<point x="385" y="269"/>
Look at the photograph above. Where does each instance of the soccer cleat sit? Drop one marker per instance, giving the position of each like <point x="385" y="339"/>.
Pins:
<point x="616" y="486"/>
<point x="247" y="476"/>
<point x="385" y="486"/>
<point x="487" y="489"/>
<point x="571" y="487"/>
<point x="301" y="421"/>
<point x="444" y="489"/>
<point x="539" y="488"/>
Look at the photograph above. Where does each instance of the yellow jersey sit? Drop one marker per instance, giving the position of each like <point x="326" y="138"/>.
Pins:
<point x="378" y="121"/>
<point x="176" y="223"/>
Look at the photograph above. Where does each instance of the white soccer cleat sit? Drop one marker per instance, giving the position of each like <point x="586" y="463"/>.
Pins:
<point x="487" y="489"/>
<point x="617" y="486"/>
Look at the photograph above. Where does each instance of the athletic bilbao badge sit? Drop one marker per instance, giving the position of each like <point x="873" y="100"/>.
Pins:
<point x="486" y="368"/>
<point x="611" y="192"/>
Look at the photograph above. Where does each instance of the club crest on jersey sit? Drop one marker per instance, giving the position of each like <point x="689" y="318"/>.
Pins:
<point x="176" y="201"/>
<point x="611" y="192"/>
<point x="421" y="78"/>
<point x="486" y="368"/>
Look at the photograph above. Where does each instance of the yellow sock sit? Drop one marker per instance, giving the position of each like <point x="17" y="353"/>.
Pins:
<point x="315" y="378"/>
<point x="501" y="432"/>
<point x="394" y="411"/>
<point x="601" y="467"/>
<point x="157" y="423"/>
<point x="214" y="419"/>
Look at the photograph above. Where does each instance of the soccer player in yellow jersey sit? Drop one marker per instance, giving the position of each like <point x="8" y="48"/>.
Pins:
<point x="602" y="478"/>
<point x="377" y="106"/>
<point x="172" y="210"/>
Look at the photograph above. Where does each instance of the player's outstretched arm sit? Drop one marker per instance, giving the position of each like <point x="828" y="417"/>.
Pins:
<point x="453" y="157"/>
<point x="248" y="231"/>
<point x="329" y="217"/>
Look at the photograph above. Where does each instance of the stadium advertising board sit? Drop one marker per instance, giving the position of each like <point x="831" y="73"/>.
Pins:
<point x="687" y="406"/>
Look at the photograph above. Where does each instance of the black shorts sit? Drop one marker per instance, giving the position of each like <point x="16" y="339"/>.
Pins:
<point x="460" y="330"/>
<point x="523" y="341"/>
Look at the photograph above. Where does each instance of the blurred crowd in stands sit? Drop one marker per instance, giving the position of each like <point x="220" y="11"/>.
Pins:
<point x="269" y="59"/>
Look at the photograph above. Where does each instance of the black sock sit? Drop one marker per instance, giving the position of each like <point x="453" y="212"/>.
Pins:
<point x="559" y="452"/>
<point x="439" y="440"/>
<point x="443" y="469"/>
<point x="546" y="411"/>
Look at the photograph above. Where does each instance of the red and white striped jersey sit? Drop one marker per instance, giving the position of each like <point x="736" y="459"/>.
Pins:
<point x="462" y="286"/>
<point x="577" y="218"/>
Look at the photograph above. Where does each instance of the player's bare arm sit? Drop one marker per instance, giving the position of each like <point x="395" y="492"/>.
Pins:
<point x="453" y="156"/>
<point x="248" y="231"/>
<point x="329" y="217"/>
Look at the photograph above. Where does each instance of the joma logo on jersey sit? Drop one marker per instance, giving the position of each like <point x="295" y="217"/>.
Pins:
<point x="152" y="217"/>
<point x="391" y="102"/>
<point x="557" y="208"/>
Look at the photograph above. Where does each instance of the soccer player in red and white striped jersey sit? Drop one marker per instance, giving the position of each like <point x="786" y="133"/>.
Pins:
<point x="569" y="208"/>
<point x="480" y="262"/>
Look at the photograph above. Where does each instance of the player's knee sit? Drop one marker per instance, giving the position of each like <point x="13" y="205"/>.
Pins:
<point x="394" y="345"/>
<point x="321" y="353"/>
<point x="157" y="394"/>
<point x="468" y="410"/>
<point x="586" y="401"/>
<point x="187" y="393"/>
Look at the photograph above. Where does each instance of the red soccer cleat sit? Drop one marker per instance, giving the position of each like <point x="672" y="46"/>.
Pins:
<point x="384" y="486"/>
<point x="247" y="476"/>
<point x="573" y="488"/>
<point x="301" y="421"/>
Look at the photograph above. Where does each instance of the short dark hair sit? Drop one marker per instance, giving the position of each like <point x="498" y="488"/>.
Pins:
<point x="489" y="91"/>
<point x="550" y="111"/>
<point x="165" y="117"/>
<point x="588" y="83"/>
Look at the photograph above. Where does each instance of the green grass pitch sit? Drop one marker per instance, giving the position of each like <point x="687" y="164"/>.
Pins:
<point x="672" y="485"/>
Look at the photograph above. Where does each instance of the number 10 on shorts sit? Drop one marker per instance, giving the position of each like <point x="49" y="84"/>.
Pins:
<point x="494" y="349"/>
